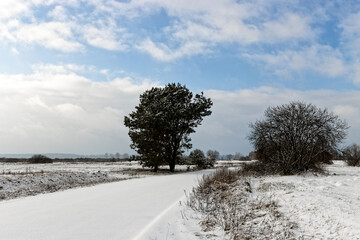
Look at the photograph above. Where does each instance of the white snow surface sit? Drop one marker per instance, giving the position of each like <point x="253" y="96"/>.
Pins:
<point x="153" y="208"/>
<point x="323" y="206"/>
<point x="120" y="210"/>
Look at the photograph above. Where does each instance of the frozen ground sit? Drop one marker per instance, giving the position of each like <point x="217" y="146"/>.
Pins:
<point x="24" y="179"/>
<point x="120" y="210"/>
<point x="321" y="207"/>
<point x="324" y="206"/>
<point x="153" y="208"/>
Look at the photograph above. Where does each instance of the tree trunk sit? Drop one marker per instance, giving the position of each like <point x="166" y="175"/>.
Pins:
<point x="172" y="165"/>
<point x="156" y="168"/>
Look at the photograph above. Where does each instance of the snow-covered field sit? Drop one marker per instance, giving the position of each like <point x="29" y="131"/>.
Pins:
<point x="322" y="206"/>
<point x="107" y="167"/>
<point x="24" y="179"/>
<point x="120" y="210"/>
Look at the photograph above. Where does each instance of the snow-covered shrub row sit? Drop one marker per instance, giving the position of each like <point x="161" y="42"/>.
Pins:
<point x="21" y="185"/>
<point x="40" y="159"/>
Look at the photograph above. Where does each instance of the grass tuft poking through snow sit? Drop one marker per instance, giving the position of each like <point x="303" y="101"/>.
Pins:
<point x="227" y="203"/>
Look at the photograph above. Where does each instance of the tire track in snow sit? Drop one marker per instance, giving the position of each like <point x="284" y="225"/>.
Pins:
<point x="156" y="219"/>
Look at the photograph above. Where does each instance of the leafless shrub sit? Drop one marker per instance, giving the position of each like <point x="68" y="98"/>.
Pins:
<point x="212" y="154"/>
<point x="296" y="137"/>
<point x="352" y="155"/>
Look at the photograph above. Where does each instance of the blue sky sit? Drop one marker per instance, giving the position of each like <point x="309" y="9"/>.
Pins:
<point x="70" y="70"/>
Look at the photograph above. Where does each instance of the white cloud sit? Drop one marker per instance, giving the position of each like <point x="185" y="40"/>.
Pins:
<point x="64" y="32"/>
<point x="194" y="28"/>
<point x="321" y="59"/>
<point x="350" y="36"/>
<point x="59" y="13"/>
<point x="12" y="8"/>
<point x="53" y="35"/>
<point x="14" y="51"/>
<point x="288" y="27"/>
<point x="210" y="23"/>
<point x="164" y="53"/>
<point x="56" y="109"/>
<point x="104" y="37"/>
<point x="348" y="111"/>
<point x="355" y="74"/>
<point x="233" y="111"/>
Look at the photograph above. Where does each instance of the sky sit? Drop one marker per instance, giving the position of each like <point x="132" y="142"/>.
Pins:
<point x="70" y="70"/>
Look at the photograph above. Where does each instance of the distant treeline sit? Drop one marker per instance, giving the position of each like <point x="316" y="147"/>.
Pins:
<point x="68" y="160"/>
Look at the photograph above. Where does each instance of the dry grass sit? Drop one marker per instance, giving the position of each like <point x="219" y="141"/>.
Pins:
<point x="22" y="184"/>
<point x="227" y="202"/>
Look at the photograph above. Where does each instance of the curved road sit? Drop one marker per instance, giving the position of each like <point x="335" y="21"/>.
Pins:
<point x="121" y="210"/>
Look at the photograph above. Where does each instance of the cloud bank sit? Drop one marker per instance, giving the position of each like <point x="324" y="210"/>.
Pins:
<point x="57" y="109"/>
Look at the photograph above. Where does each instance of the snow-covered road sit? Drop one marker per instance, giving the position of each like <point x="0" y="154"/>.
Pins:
<point x="121" y="210"/>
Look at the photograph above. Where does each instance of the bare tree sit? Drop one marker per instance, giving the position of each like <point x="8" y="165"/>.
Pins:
<point x="352" y="155"/>
<point x="125" y="156"/>
<point x="212" y="154"/>
<point x="237" y="156"/>
<point x="296" y="136"/>
<point x="229" y="157"/>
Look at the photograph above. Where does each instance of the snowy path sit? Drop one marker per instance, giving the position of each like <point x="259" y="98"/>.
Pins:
<point x="121" y="210"/>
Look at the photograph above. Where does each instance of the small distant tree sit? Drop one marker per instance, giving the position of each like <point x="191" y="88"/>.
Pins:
<point x="229" y="157"/>
<point x="352" y="155"/>
<point x="40" y="159"/>
<point x="212" y="154"/>
<point x="296" y="136"/>
<point x="125" y="156"/>
<point x="117" y="155"/>
<point x="161" y="125"/>
<point x="197" y="157"/>
<point x="237" y="156"/>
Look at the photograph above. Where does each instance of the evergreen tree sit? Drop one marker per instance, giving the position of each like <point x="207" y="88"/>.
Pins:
<point x="160" y="126"/>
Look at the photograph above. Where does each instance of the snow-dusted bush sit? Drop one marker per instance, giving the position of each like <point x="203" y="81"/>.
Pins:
<point x="259" y="168"/>
<point x="352" y="155"/>
<point x="40" y="159"/>
<point x="198" y="158"/>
